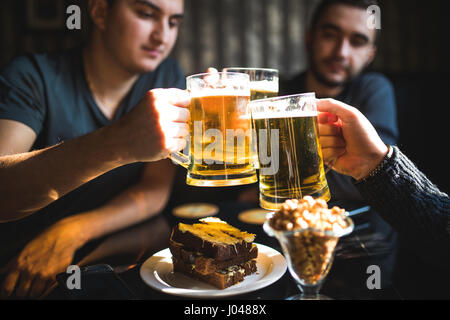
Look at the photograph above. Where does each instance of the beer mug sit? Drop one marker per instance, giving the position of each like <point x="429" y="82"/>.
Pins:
<point x="290" y="156"/>
<point x="263" y="84"/>
<point x="219" y="151"/>
<point x="263" y="81"/>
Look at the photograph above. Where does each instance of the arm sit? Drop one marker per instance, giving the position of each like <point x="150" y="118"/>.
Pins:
<point x="412" y="204"/>
<point x="43" y="176"/>
<point x="34" y="269"/>
<point x="153" y="129"/>
<point x="399" y="192"/>
<point x="137" y="203"/>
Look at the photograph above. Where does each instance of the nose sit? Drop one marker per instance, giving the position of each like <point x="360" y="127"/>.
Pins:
<point x="343" y="48"/>
<point x="160" y="33"/>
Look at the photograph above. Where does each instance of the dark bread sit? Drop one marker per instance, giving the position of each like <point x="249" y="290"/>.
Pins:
<point x="213" y="251"/>
<point x="222" y="278"/>
<point x="205" y="265"/>
<point x="213" y="238"/>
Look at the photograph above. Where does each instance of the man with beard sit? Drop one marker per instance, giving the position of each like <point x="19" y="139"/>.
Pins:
<point x="83" y="135"/>
<point x="340" y="46"/>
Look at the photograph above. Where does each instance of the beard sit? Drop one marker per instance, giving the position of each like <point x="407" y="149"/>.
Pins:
<point x="313" y="66"/>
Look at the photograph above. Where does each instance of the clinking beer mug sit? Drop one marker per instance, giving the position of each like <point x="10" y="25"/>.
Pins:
<point x="290" y="156"/>
<point x="263" y="84"/>
<point x="263" y="81"/>
<point x="219" y="150"/>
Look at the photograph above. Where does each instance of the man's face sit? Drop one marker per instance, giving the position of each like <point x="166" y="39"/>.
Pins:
<point x="140" y="34"/>
<point x="341" y="45"/>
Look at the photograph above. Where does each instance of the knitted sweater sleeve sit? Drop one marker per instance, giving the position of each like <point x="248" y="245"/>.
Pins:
<point x="411" y="204"/>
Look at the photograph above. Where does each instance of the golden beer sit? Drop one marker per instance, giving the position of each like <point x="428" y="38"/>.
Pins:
<point x="261" y="94"/>
<point x="219" y="151"/>
<point x="263" y="90"/>
<point x="220" y="146"/>
<point x="301" y="170"/>
<point x="263" y="81"/>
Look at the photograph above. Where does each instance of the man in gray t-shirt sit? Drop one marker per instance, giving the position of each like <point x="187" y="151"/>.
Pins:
<point x="83" y="141"/>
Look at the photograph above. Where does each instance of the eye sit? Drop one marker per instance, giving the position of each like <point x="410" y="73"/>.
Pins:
<point x="174" y="23"/>
<point x="329" y="34"/>
<point x="358" y="41"/>
<point x="145" y="14"/>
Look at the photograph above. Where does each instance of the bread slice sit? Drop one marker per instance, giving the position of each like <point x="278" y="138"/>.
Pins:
<point x="221" y="279"/>
<point x="214" y="238"/>
<point x="205" y="265"/>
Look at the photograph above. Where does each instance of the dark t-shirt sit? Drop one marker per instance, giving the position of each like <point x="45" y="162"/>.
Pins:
<point x="49" y="93"/>
<point x="373" y="94"/>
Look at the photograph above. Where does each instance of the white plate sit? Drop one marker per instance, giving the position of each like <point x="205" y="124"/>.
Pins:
<point x="157" y="272"/>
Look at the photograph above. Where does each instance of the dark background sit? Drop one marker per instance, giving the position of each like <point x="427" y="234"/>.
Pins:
<point x="412" y="52"/>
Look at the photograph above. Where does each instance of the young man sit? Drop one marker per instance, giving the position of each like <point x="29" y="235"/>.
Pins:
<point x="75" y="129"/>
<point x="340" y="46"/>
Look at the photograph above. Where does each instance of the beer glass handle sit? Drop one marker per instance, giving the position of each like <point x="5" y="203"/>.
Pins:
<point x="180" y="158"/>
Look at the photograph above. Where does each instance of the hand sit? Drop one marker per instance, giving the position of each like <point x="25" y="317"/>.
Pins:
<point x="33" y="271"/>
<point x="156" y="127"/>
<point x="211" y="70"/>
<point x="347" y="136"/>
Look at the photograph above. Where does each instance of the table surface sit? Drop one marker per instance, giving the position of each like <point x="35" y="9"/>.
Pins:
<point x="348" y="278"/>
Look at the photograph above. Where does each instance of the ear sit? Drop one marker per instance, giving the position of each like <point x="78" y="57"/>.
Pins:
<point x="98" y="11"/>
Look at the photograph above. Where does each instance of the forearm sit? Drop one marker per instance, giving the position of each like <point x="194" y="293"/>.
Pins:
<point x="30" y="181"/>
<point x="413" y="205"/>
<point x="130" y="207"/>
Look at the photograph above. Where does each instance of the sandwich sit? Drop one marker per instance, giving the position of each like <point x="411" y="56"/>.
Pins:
<point x="213" y="251"/>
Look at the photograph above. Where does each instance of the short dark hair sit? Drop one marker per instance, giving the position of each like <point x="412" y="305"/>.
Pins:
<point x="323" y="6"/>
<point x="89" y="23"/>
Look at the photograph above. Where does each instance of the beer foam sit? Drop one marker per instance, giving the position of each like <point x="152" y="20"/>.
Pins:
<point x="264" y="85"/>
<point x="212" y="92"/>
<point x="283" y="114"/>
